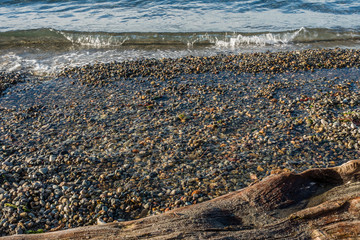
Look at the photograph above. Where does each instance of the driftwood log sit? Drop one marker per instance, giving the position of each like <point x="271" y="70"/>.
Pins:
<point x="316" y="204"/>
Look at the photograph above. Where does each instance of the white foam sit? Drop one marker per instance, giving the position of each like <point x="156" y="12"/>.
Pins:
<point x="41" y="64"/>
<point x="94" y="40"/>
<point x="239" y="40"/>
<point x="48" y="62"/>
<point x="10" y="62"/>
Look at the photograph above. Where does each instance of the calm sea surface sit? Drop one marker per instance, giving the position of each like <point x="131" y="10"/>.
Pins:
<point x="45" y="36"/>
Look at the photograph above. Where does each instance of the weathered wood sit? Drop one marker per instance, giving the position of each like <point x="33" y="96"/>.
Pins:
<point x="316" y="204"/>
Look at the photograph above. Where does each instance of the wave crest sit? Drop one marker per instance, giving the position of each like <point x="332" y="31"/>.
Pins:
<point x="51" y="37"/>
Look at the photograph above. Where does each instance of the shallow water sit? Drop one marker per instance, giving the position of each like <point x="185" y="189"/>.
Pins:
<point x="175" y="16"/>
<point x="64" y="91"/>
<point x="45" y="36"/>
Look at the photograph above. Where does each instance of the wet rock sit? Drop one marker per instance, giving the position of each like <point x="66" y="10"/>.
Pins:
<point x="151" y="141"/>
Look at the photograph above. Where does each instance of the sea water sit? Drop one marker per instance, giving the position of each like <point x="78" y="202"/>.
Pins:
<point x="44" y="36"/>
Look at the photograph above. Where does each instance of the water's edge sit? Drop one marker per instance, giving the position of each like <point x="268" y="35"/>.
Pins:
<point x="44" y="51"/>
<point x="51" y="38"/>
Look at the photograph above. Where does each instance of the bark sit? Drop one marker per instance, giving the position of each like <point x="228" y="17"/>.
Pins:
<point x="316" y="204"/>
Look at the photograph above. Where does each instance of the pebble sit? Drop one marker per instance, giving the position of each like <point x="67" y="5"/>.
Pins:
<point x="100" y="221"/>
<point x="120" y="141"/>
<point x="44" y="170"/>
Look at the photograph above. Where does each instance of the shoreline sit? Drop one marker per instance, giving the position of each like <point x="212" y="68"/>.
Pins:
<point x="122" y="141"/>
<point x="168" y="68"/>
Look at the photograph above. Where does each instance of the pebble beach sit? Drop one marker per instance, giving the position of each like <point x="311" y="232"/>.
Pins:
<point x="124" y="140"/>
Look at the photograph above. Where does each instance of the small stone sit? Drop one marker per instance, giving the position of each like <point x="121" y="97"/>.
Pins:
<point x="7" y="163"/>
<point x="52" y="158"/>
<point x="99" y="221"/>
<point x="44" y="170"/>
<point x="259" y="168"/>
<point x="253" y="177"/>
<point x="19" y="231"/>
<point x="196" y="192"/>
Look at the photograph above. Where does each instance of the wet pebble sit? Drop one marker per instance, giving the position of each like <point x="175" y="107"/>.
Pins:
<point x="121" y="141"/>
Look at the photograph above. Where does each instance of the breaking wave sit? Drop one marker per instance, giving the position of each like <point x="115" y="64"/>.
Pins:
<point x="57" y="38"/>
<point x="44" y="51"/>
